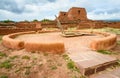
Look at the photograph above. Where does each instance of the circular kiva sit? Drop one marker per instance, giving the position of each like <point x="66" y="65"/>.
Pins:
<point x="46" y="41"/>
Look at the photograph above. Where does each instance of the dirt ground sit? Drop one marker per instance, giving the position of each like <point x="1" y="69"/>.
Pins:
<point x="22" y="64"/>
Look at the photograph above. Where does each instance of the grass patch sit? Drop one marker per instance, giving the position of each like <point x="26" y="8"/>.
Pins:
<point x="27" y="72"/>
<point x="6" y="64"/>
<point x="82" y="77"/>
<point x="118" y="42"/>
<point x="53" y="67"/>
<point x="14" y="57"/>
<point x="1" y="38"/>
<point x="26" y="57"/>
<point x="3" y="76"/>
<point x="70" y="64"/>
<point x="108" y="29"/>
<point x="72" y="28"/>
<point x="105" y="52"/>
<point x="3" y="54"/>
<point x="118" y="61"/>
<point x="18" y="70"/>
<point x="65" y="57"/>
<point x="27" y="67"/>
<point x="45" y="54"/>
<point x="113" y="30"/>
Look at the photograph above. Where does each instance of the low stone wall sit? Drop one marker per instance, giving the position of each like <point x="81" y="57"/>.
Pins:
<point x="4" y="31"/>
<point x="9" y="41"/>
<point x="108" y="42"/>
<point x="53" y="47"/>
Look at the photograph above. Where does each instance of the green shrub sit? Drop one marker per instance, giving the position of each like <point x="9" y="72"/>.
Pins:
<point x="7" y="21"/>
<point x="1" y="37"/>
<point x="27" y="72"/>
<point x="26" y="57"/>
<point x="45" y="54"/>
<point x="2" y="54"/>
<point x="13" y="57"/>
<point x="66" y="57"/>
<point x="6" y="64"/>
<point x="3" y="76"/>
<point x="53" y="67"/>
<point x="70" y="64"/>
<point x="118" y="42"/>
<point x="46" y="20"/>
<point x="35" y="20"/>
<point x="82" y="77"/>
<point x="104" y="52"/>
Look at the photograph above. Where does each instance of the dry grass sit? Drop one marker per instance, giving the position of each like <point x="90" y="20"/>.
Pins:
<point x="1" y="38"/>
<point x="22" y="64"/>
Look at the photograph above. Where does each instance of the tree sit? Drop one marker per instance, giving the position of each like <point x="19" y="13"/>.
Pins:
<point x="46" y="20"/>
<point x="7" y="21"/>
<point x="35" y="20"/>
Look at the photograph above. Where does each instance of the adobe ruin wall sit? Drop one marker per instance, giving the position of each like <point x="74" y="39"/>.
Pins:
<point x="75" y="17"/>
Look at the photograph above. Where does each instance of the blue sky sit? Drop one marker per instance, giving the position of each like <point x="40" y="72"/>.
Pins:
<point x="19" y="10"/>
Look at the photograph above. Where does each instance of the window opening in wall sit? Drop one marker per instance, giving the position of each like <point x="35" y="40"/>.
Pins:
<point x="64" y="14"/>
<point x="78" y="11"/>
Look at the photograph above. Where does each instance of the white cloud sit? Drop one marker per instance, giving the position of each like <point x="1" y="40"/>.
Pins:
<point x="40" y="9"/>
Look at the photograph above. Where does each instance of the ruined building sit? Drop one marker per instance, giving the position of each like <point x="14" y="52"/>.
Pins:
<point x="74" y="13"/>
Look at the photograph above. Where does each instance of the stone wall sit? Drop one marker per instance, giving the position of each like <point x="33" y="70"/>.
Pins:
<point x="53" y="47"/>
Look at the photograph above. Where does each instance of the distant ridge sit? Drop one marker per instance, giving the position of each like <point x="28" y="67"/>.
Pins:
<point x="112" y="20"/>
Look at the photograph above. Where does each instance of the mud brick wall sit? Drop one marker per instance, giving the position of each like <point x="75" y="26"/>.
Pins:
<point x="49" y="25"/>
<point x="25" y="25"/>
<point x="105" y="43"/>
<point x="4" y="31"/>
<point x="63" y="16"/>
<point x="53" y="47"/>
<point x="74" y="13"/>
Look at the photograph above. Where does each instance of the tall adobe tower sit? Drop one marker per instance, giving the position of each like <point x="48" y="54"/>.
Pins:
<point x="74" y="13"/>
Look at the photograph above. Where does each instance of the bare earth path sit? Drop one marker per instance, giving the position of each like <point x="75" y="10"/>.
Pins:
<point x="78" y="49"/>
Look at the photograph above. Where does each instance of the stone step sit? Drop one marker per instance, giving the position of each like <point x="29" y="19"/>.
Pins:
<point x="91" y="62"/>
<point x="109" y="74"/>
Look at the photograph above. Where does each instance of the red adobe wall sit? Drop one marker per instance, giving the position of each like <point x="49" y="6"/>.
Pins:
<point x="63" y="16"/>
<point x="4" y="31"/>
<point x="76" y="13"/>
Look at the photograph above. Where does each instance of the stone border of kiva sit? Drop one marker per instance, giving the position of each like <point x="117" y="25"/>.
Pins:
<point x="106" y="42"/>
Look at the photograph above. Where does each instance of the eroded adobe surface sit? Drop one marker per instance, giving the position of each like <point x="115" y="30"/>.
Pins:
<point x="21" y="40"/>
<point x="74" y="13"/>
